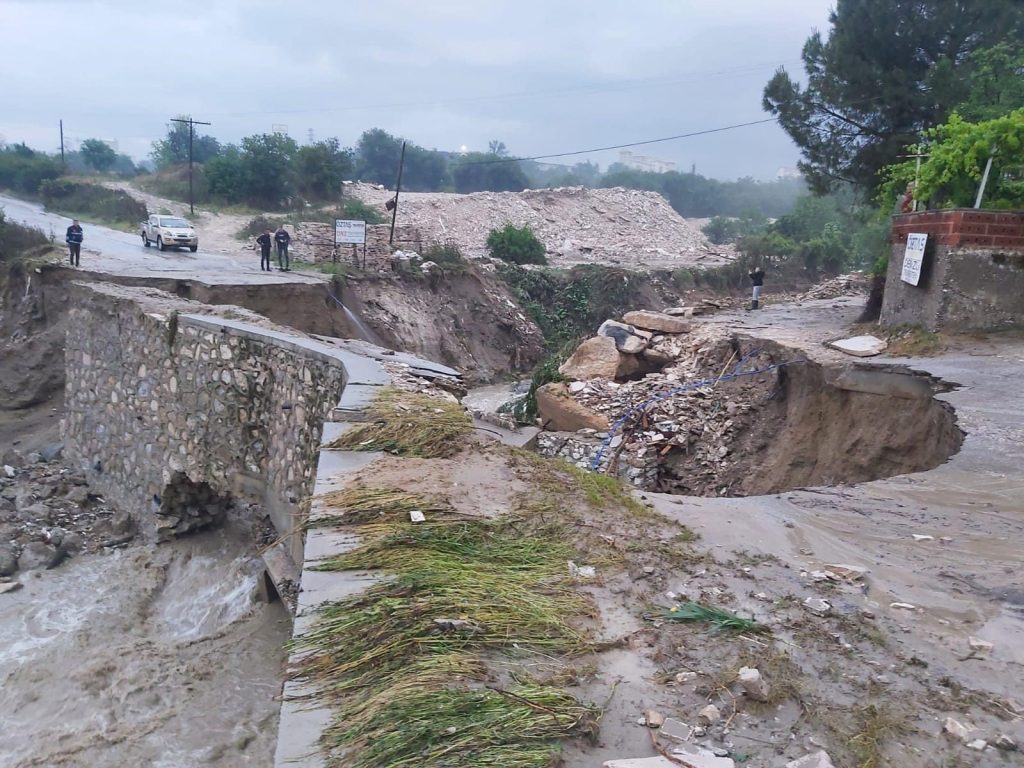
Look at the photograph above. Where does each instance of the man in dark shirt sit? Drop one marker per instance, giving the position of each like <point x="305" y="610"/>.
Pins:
<point x="757" y="280"/>
<point x="282" y="238"/>
<point x="264" y="241"/>
<point x="74" y="241"/>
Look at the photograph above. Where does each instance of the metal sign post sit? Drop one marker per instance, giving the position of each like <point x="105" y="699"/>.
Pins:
<point x="351" y="232"/>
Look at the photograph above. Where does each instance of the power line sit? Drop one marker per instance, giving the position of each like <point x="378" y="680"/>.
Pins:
<point x="624" y="146"/>
<point x="517" y="95"/>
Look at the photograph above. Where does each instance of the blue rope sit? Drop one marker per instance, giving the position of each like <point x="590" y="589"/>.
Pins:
<point x="637" y="409"/>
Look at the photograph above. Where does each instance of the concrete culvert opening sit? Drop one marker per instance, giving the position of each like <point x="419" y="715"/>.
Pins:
<point x="767" y="420"/>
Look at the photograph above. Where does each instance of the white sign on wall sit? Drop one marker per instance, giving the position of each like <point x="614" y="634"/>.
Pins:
<point x="913" y="258"/>
<point x="349" y="232"/>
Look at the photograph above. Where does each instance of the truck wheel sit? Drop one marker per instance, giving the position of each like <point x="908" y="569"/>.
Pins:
<point x="160" y="243"/>
<point x="193" y="248"/>
<point x="145" y="240"/>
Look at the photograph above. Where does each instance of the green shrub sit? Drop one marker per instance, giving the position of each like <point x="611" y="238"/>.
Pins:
<point x="107" y="206"/>
<point x="516" y="245"/>
<point x="16" y="238"/>
<point x="25" y="170"/>
<point x="258" y="225"/>
<point x="355" y="209"/>
<point x="447" y="255"/>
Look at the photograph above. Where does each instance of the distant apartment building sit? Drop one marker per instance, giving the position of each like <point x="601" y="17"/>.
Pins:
<point x="645" y="163"/>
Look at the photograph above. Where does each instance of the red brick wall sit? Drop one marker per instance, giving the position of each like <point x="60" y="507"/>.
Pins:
<point x="964" y="227"/>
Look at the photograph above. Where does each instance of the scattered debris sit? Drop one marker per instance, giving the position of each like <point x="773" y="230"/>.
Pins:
<point x="817" y="606"/>
<point x="853" y="284"/>
<point x="752" y="683"/>
<point x="977" y="744"/>
<point x="700" y="757"/>
<point x="903" y="606"/>
<point x="581" y="571"/>
<point x="709" y="715"/>
<point x="416" y="516"/>
<point x="923" y="537"/>
<point x="653" y="718"/>
<point x="818" y="759"/>
<point x="675" y="729"/>
<point x="845" y="572"/>
<point x="980" y="647"/>
<point x="1005" y="743"/>
<point x="957" y="730"/>
<point x="9" y="586"/>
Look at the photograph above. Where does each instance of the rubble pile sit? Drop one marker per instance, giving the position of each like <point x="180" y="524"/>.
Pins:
<point x="634" y="409"/>
<point x="47" y="514"/>
<point x="617" y="226"/>
<point x="853" y="284"/>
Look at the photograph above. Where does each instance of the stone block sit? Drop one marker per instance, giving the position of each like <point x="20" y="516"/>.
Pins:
<point x="596" y="358"/>
<point x="656" y="321"/>
<point x="560" y="413"/>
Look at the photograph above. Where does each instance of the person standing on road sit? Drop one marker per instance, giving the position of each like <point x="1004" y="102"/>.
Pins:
<point x="264" y="242"/>
<point x="757" y="281"/>
<point x="282" y="238"/>
<point x="74" y="240"/>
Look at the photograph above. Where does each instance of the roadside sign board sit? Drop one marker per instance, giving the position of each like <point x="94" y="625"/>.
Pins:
<point x="913" y="258"/>
<point x="349" y="232"/>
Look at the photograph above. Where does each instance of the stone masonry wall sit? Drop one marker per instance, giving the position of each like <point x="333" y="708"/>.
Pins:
<point x="154" y="397"/>
<point x="315" y="241"/>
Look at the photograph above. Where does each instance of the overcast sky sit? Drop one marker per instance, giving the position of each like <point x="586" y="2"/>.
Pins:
<point x="543" y="76"/>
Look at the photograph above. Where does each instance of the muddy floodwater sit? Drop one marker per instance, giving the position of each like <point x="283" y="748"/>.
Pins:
<point x="148" y="656"/>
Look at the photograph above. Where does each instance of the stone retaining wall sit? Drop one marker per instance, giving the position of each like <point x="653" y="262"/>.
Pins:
<point x="315" y="241"/>
<point x="154" y="396"/>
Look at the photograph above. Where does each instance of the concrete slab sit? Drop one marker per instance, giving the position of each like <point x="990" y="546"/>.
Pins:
<point x="859" y="346"/>
<point x="525" y="437"/>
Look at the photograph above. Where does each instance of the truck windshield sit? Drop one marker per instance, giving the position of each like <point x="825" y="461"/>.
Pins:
<point x="165" y="222"/>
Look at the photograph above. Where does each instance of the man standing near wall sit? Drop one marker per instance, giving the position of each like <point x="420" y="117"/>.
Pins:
<point x="282" y="238"/>
<point x="74" y="239"/>
<point x="757" y="282"/>
<point x="264" y="241"/>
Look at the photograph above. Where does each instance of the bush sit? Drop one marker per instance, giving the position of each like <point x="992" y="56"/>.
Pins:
<point x="258" y="226"/>
<point x="446" y="255"/>
<point x="355" y="209"/>
<point x="25" y="170"/>
<point x="109" y="206"/>
<point x="720" y="230"/>
<point x="16" y="238"/>
<point x="516" y="245"/>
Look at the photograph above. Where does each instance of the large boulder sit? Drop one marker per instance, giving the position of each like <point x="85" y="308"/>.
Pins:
<point x="560" y="413"/>
<point x="656" y="321"/>
<point x="8" y="559"/>
<point x="625" y="336"/>
<point x="596" y="358"/>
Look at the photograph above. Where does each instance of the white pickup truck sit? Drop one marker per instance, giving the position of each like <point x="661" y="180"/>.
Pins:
<point x="169" y="232"/>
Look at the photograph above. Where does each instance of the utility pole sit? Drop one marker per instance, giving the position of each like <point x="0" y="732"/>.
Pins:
<point x="191" y="133"/>
<point x="63" y="164"/>
<point x="393" y="203"/>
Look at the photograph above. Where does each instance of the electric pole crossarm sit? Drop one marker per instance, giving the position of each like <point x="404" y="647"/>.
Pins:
<point x="191" y="133"/>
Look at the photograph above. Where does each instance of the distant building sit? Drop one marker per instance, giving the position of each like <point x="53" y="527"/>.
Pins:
<point x="645" y="163"/>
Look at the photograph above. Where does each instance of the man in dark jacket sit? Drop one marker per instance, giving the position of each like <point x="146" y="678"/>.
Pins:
<point x="282" y="238"/>
<point x="264" y="241"/>
<point x="757" y="281"/>
<point x="74" y="241"/>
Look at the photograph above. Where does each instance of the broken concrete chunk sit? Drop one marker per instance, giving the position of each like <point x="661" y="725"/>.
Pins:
<point x="625" y="337"/>
<point x="978" y="745"/>
<point x="753" y="684"/>
<point x="923" y="537"/>
<point x="581" y="571"/>
<point x="839" y="572"/>
<point x="675" y="729"/>
<point x="1005" y="743"/>
<point x="656" y="321"/>
<point x="596" y="358"/>
<point x="642" y="762"/>
<point x="709" y="715"/>
<point x="560" y="413"/>
<point x="416" y="516"/>
<point x="979" y="646"/>
<point x="818" y="759"/>
<point x="859" y="346"/>
<point x="699" y="757"/>
<point x="903" y="606"/>
<point x="817" y="606"/>
<point x="653" y="718"/>
<point x="954" y="729"/>
<point x="9" y="586"/>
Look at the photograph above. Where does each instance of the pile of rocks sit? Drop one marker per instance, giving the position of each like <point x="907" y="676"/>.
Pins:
<point x="624" y="227"/>
<point x="633" y="401"/>
<point x="47" y="513"/>
<point x="853" y="284"/>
